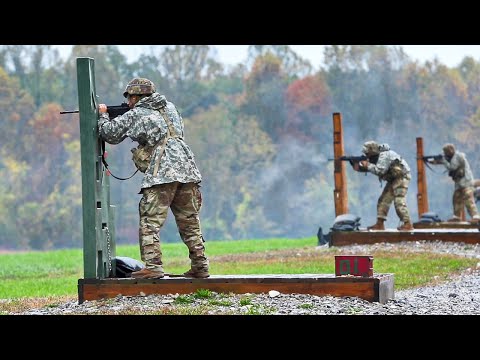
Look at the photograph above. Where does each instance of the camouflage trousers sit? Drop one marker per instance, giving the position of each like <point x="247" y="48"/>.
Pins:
<point x="185" y="201"/>
<point x="464" y="197"/>
<point x="395" y="191"/>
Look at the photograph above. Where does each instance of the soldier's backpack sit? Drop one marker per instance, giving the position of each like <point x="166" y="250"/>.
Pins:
<point x="430" y="217"/>
<point x="124" y="266"/>
<point x="346" y="222"/>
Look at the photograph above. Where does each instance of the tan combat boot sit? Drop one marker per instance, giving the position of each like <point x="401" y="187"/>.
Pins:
<point x="378" y="226"/>
<point x="147" y="274"/>
<point x="475" y="220"/>
<point x="196" y="274"/>
<point x="199" y="262"/>
<point x="405" y="227"/>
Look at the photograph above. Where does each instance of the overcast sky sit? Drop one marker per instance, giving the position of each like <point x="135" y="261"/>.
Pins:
<point x="450" y="55"/>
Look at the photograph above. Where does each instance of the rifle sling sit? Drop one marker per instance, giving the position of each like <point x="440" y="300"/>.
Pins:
<point x="110" y="171"/>
<point x="427" y="165"/>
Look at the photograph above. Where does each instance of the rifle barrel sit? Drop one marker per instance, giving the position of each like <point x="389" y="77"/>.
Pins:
<point x="69" y="112"/>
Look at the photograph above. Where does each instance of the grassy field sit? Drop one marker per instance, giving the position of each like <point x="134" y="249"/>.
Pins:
<point x="56" y="273"/>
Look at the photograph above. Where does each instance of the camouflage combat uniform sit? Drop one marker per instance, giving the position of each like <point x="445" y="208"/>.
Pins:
<point x="391" y="168"/>
<point x="463" y="196"/>
<point x="175" y="186"/>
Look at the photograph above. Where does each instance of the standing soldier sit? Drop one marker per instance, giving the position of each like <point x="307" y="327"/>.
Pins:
<point x="392" y="168"/>
<point x="476" y="185"/>
<point x="459" y="170"/>
<point x="171" y="177"/>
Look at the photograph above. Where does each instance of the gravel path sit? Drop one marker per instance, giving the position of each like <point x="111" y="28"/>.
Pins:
<point x="459" y="296"/>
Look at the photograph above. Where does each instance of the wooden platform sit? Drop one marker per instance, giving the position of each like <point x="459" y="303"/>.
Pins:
<point x="378" y="288"/>
<point x="342" y="238"/>
<point x="445" y="225"/>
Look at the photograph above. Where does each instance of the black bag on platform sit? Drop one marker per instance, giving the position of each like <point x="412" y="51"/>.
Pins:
<point x="430" y="217"/>
<point x="125" y="266"/>
<point x="346" y="222"/>
<point x="323" y="239"/>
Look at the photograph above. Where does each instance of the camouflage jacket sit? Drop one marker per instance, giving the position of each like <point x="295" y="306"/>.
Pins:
<point x="145" y="125"/>
<point x="459" y="169"/>
<point x="388" y="164"/>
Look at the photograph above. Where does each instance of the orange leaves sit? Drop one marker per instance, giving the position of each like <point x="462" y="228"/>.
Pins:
<point x="48" y="123"/>
<point x="309" y="94"/>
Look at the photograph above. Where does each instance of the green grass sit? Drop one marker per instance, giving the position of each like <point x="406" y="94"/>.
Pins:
<point x="203" y="294"/>
<point x="214" y="248"/>
<point x="44" y="273"/>
<point x="56" y="273"/>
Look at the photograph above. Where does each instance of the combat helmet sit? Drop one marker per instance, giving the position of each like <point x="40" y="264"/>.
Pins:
<point x="371" y="148"/>
<point x="139" y="86"/>
<point x="449" y="149"/>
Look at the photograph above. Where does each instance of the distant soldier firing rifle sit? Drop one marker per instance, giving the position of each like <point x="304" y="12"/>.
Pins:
<point x="392" y="168"/>
<point x="459" y="170"/>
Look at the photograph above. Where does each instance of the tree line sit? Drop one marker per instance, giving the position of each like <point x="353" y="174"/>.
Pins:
<point x="261" y="132"/>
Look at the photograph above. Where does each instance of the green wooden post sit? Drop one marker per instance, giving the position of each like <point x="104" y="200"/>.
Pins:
<point x="98" y="213"/>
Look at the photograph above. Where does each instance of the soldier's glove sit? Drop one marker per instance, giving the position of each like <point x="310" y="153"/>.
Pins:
<point x="363" y="166"/>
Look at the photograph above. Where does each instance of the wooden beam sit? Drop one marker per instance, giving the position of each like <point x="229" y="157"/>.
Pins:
<point x="378" y="288"/>
<point x="445" y="225"/>
<point x="422" y="193"/>
<point x="340" y="193"/>
<point x="344" y="238"/>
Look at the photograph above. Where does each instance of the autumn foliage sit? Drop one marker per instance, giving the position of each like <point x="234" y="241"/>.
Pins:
<point x="261" y="133"/>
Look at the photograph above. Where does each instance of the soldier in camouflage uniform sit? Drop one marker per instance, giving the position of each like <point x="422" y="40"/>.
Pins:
<point x="459" y="170"/>
<point x="171" y="180"/>
<point x="392" y="168"/>
<point x="476" y="185"/>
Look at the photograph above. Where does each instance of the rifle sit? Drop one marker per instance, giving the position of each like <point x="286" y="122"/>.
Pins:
<point x="432" y="157"/>
<point x="436" y="158"/>
<point x="113" y="110"/>
<point x="351" y="159"/>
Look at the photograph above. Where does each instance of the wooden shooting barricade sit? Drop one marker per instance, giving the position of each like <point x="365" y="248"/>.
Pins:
<point x="462" y="232"/>
<point x="99" y="245"/>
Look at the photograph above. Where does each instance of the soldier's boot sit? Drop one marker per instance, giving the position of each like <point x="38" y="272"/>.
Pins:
<point x="407" y="226"/>
<point x="148" y="274"/>
<point x="200" y="264"/>
<point x="378" y="226"/>
<point x="197" y="273"/>
<point x="475" y="220"/>
<point x="199" y="269"/>
<point x="153" y="270"/>
<point x="454" y="219"/>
